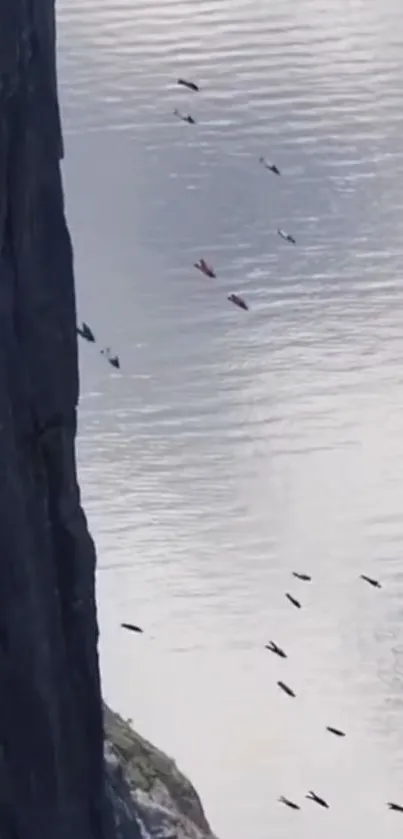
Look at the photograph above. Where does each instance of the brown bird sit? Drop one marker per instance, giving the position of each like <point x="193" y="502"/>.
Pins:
<point x="371" y="581"/>
<point x="184" y="117"/>
<point x="293" y="600"/>
<point x="398" y="808"/>
<point x="238" y="301"/>
<point x="190" y="85"/>
<point x="305" y="577"/>
<point x="336" y="731"/>
<point x="289" y="803"/>
<point x="131" y="626"/>
<point x="313" y="797"/>
<point x="206" y="269"/>
<point x="286" y="689"/>
<point x="275" y="649"/>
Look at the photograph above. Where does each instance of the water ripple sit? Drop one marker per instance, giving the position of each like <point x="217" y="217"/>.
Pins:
<point x="237" y="446"/>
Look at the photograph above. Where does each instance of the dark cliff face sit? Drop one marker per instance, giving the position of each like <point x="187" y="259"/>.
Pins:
<point x="54" y="781"/>
<point x="51" y="731"/>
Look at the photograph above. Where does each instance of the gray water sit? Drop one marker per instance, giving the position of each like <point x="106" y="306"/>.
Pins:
<point x="235" y="447"/>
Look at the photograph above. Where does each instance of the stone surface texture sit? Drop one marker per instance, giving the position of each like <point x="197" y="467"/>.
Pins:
<point x="143" y="783"/>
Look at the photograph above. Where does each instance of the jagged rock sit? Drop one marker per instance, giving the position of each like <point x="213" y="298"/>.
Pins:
<point x="143" y="783"/>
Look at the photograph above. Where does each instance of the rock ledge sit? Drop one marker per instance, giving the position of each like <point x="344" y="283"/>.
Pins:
<point x="146" y="788"/>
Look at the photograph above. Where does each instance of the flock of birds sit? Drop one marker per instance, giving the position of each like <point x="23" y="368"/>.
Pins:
<point x="202" y="265"/>
<point x="337" y="732"/>
<point x="207" y="270"/>
<point x="86" y="332"/>
<point x="277" y="650"/>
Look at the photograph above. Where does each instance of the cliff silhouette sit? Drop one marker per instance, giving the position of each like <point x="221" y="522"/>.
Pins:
<point x="58" y="779"/>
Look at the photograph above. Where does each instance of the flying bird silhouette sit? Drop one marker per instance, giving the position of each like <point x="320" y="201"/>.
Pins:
<point x="398" y="808"/>
<point x="286" y="689"/>
<point x="286" y="236"/>
<point x="112" y="359"/>
<point x="337" y="731"/>
<point x="318" y="800"/>
<point x="132" y="627"/>
<point x="184" y="117"/>
<point x="205" y="268"/>
<point x="293" y="600"/>
<point x="86" y="332"/>
<point x="275" y="649"/>
<point x="190" y="85"/>
<point x="371" y="581"/>
<point x="299" y="576"/>
<point x="238" y="301"/>
<point x="289" y="803"/>
<point x="270" y="166"/>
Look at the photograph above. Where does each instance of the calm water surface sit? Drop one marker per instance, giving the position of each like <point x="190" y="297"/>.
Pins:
<point x="235" y="447"/>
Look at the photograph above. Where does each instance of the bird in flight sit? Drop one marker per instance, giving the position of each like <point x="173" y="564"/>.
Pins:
<point x="371" y="581"/>
<point x="206" y="269"/>
<point x="293" y="600"/>
<point x="238" y="301"/>
<point x="86" y="332"/>
<point x="286" y="236"/>
<point x="398" y="808"/>
<point x="289" y="803"/>
<point x="318" y="800"/>
<point x="275" y="649"/>
<point x="305" y="577"/>
<point x="286" y="689"/>
<point x="184" y="117"/>
<point x="270" y="166"/>
<point x="131" y="627"/>
<point x="337" y="731"/>
<point x="112" y="359"/>
<point x="190" y="85"/>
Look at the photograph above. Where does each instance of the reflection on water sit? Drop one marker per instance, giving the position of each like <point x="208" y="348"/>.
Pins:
<point x="236" y="447"/>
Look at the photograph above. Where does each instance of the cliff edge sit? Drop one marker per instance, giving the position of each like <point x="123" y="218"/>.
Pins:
<point x="144" y="784"/>
<point x="53" y="783"/>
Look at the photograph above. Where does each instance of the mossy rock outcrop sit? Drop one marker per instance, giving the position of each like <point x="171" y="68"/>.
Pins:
<point x="145" y="786"/>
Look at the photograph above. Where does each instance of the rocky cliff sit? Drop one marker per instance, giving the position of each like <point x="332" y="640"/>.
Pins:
<point x="52" y="771"/>
<point x="145" y="786"/>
